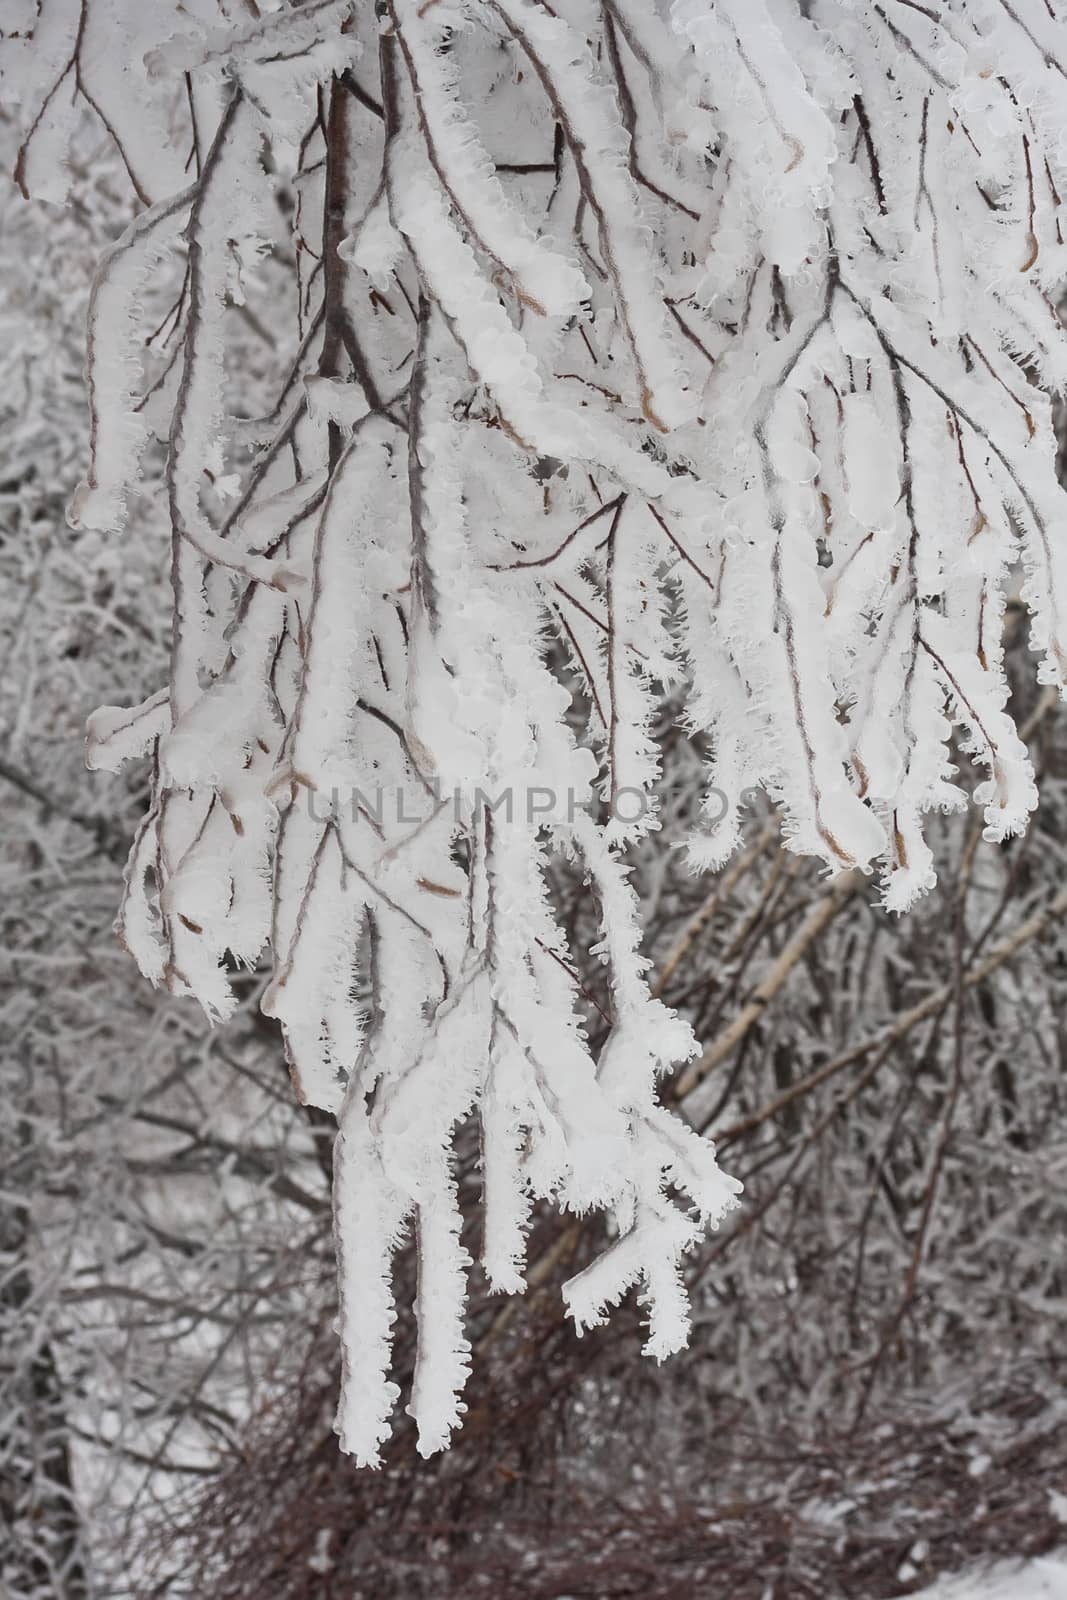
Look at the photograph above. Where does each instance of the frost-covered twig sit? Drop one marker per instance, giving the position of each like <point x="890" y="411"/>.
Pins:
<point x="651" y="369"/>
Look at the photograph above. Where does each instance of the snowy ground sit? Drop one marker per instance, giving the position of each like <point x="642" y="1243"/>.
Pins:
<point x="1041" y="1579"/>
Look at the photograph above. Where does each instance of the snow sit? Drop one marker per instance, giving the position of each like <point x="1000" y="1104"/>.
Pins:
<point x="652" y="375"/>
<point x="1041" y="1578"/>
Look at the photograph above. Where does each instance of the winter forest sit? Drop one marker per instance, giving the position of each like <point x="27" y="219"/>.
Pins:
<point x="533" y="611"/>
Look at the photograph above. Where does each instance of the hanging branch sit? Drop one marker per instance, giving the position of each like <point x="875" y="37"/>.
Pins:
<point x="639" y="364"/>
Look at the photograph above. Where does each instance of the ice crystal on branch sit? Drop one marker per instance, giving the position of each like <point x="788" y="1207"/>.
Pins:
<point x="632" y="344"/>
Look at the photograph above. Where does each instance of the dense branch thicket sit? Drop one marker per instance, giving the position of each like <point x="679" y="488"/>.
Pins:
<point x="648" y="370"/>
<point x="162" y="1211"/>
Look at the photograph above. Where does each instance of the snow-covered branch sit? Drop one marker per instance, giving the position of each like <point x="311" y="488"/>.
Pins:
<point x="645" y="345"/>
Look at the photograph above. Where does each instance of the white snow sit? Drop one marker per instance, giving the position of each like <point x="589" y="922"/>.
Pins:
<point x="1042" y="1578"/>
<point x="649" y="358"/>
